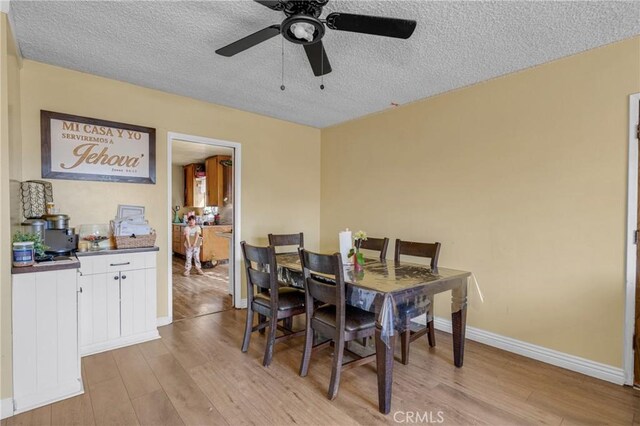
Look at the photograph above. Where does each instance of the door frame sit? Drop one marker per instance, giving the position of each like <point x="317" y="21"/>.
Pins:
<point x="632" y="248"/>
<point x="237" y="208"/>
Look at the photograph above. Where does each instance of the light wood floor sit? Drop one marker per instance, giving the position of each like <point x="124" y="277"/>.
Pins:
<point x="199" y="294"/>
<point x="196" y="375"/>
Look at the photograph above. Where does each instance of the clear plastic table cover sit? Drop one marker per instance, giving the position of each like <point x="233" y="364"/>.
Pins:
<point x="393" y="291"/>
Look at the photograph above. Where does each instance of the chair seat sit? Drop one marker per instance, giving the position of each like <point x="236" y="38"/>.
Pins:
<point x="288" y="298"/>
<point x="355" y="319"/>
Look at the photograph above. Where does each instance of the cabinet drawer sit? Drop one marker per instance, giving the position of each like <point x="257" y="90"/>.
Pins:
<point x="101" y="264"/>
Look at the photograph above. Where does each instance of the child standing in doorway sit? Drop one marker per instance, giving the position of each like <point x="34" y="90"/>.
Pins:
<point x="192" y="242"/>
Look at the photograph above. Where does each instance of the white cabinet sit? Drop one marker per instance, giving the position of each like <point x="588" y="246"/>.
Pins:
<point x="46" y="361"/>
<point x="117" y="300"/>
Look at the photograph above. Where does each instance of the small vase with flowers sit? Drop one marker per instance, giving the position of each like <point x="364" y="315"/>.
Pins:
<point x="358" y="258"/>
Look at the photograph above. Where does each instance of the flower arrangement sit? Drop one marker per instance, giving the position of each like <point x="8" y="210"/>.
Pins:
<point x="358" y="238"/>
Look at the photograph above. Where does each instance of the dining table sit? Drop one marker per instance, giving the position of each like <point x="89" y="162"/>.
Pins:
<point x="393" y="291"/>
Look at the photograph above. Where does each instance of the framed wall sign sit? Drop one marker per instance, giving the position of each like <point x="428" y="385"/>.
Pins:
<point x="82" y="148"/>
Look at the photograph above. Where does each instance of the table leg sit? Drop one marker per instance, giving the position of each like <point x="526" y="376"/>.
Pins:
<point x="384" y="363"/>
<point x="459" y="321"/>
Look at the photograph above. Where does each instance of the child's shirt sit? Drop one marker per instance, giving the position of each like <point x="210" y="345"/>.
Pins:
<point x="192" y="236"/>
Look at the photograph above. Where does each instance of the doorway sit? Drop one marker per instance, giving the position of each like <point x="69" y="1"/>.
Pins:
<point x="203" y="186"/>
<point x="631" y="357"/>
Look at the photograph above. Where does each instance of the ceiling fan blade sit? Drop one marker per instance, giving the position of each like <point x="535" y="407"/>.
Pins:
<point x="249" y="41"/>
<point x="271" y="4"/>
<point x="318" y="58"/>
<point x="376" y="25"/>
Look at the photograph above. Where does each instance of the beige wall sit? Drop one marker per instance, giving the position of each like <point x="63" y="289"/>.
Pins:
<point x="10" y="174"/>
<point x="280" y="160"/>
<point x="523" y="181"/>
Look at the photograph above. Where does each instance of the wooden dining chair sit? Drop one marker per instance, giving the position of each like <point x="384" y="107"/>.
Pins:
<point x="285" y="240"/>
<point x="281" y="240"/>
<point x="376" y="244"/>
<point x="427" y="250"/>
<point x="265" y="297"/>
<point x="330" y="316"/>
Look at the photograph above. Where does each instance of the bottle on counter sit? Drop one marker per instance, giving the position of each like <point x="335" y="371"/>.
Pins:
<point x="216" y="219"/>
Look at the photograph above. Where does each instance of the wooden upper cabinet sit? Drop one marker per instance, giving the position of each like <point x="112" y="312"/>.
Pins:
<point x="219" y="181"/>
<point x="189" y="180"/>
<point x="193" y="178"/>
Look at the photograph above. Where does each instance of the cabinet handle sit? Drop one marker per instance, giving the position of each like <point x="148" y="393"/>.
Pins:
<point x="119" y="264"/>
<point x="124" y="277"/>
<point x="80" y="290"/>
<point x="116" y="278"/>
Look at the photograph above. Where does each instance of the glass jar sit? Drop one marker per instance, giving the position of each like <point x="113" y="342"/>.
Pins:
<point x="23" y="254"/>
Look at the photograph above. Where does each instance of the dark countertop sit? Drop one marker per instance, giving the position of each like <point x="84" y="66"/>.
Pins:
<point x="47" y="266"/>
<point x="116" y="251"/>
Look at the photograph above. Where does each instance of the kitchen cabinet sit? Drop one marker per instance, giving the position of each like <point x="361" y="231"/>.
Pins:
<point x="117" y="300"/>
<point x="194" y="185"/>
<point x="46" y="360"/>
<point x="219" y="180"/>
<point x="214" y="247"/>
<point x="189" y="180"/>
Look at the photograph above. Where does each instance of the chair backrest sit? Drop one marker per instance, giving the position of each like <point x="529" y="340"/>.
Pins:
<point x="279" y="240"/>
<point x="328" y="291"/>
<point x="376" y="244"/>
<point x="260" y="264"/>
<point x="410" y="248"/>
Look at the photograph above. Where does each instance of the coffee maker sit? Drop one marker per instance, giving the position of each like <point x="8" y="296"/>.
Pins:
<point x="58" y="236"/>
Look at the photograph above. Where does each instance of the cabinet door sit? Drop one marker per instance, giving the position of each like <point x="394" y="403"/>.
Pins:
<point x="138" y="301"/>
<point x="99" y="308"/>
<point x="183" y="250"/>
<point x="219" y="246"/>
<point x="46" y="364"/>
<point x="227" y="181"/>
<point x="189" y="180"/>
<point x="212" y="166"/>
<point x="175" y="238"/>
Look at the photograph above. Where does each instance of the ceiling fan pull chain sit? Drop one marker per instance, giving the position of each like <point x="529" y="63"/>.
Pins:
<point x="282" y="75"/>
<point x="322" y="69"/>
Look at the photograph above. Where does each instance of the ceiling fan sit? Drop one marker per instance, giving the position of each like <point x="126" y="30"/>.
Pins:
<point x="304" y="26"/>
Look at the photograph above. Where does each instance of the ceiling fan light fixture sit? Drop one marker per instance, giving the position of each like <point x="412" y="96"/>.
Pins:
<point x="303" y="30"/>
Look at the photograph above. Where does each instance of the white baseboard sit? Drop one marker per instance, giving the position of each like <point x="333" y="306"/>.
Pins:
<point x="6" y="408"/>
<point x="64" y="391"/>
<point x="549" y="356"/>
<point x="119" y="343"/>
<point x="242" y="304"/>
<point x="160" y="321"/>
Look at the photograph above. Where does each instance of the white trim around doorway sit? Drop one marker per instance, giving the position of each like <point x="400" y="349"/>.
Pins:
<point x="632" y="221"/>
<point x="237" y="208"/>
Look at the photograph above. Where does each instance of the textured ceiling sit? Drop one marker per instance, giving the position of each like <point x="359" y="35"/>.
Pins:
<point x="169" y="45"/>
<point x="183" y="152"/>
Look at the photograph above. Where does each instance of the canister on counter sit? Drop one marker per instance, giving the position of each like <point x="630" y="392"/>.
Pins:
<point x="23" y="254"/>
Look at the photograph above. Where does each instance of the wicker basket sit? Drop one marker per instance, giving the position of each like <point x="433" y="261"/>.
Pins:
<point x="135" y="241"/>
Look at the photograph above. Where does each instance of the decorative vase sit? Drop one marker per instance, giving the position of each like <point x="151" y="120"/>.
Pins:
<point x="358" y="261"/>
